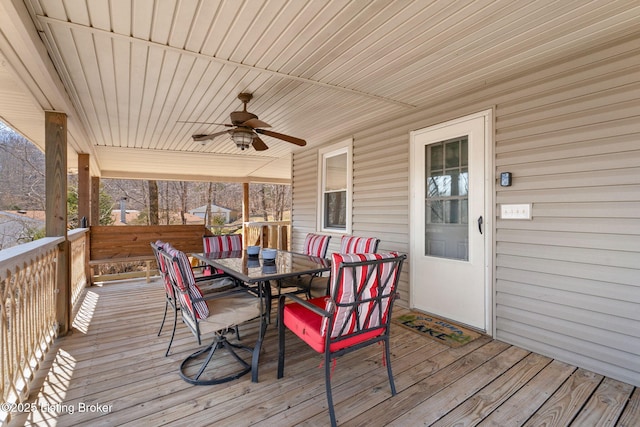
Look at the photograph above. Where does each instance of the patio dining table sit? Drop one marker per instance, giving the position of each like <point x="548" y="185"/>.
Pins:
<point x="256" y="270"/>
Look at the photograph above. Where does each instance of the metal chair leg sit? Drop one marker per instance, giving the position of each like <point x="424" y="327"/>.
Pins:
<point x="327" y="381"/>
<point x="388" y="360"/>
<point x="173" y="332"/>
<point x="166" y="306"/>
<point x="220" y="343"/>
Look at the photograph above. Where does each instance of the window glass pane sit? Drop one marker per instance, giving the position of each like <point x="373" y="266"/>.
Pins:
<point x="463" y="182"/>
<point x="439" y="185"/>
<point x="452" y="153"/>
<point x="336" y="172"/>
<point x="464" y="211"/>
<point x="335" y="204"/>
<point x="434" y="158"/>
<point x="435" y="211"/>
<point x="464" y="155"/>
<point x="452" y="215"/>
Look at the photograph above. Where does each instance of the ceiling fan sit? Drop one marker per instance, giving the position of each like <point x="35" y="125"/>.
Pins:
<point x="245" y="129"/>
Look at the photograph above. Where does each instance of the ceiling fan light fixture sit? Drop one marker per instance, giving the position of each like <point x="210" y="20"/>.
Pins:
<point x="242" y="137"/>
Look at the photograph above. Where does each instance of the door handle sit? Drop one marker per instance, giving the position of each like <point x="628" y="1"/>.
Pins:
<point x="480" y="224"/>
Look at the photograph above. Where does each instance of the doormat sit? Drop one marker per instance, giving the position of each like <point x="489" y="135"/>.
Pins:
<point x="437" y="329"/>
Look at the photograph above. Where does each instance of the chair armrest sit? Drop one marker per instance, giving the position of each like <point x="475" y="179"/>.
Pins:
<point x="319" y="311"/>
<point x="221" y="294"/>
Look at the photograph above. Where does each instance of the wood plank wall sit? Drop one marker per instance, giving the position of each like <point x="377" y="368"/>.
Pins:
<point x="109" y="242"/>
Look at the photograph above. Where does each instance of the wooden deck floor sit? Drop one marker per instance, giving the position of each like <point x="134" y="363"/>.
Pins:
<point x="114" y="361"/>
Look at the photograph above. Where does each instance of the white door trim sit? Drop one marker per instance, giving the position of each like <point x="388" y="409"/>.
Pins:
<point x="489" y="217"/>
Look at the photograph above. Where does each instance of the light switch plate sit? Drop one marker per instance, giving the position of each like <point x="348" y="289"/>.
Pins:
<point x="520" y="211"/>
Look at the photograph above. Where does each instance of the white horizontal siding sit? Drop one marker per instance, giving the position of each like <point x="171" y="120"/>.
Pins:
<point x="567" y="282"/>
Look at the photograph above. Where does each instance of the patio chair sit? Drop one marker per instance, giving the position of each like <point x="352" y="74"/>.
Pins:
<point x="221" y="243"/>
<point x="348" y="245"/>
<point x="207" y="284"/>
<point x="214" y="316"/>
<point x="358" y="245"/>
<point x="357" y="313"/>
<point x="314" y="245"/>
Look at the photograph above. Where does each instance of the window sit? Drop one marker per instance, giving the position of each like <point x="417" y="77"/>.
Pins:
<point x="335" y="168"/>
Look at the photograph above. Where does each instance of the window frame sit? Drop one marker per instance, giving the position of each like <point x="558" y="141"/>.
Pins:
<point x="343" y="147"/>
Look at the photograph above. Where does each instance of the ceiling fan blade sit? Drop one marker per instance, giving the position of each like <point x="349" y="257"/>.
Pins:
<point x="206" y="137"/>
<point x="256" y="123"/>
<point x="291" y="139"/>
<point x="259" y="144"/>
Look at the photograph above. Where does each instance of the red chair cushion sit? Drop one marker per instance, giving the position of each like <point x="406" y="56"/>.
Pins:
<point x="307" y="325"/>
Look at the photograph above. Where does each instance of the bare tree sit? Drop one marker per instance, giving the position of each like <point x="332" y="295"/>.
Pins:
<point x="183" y="193"/>
<point x="21" y="172"/>
<point x="207" y="212"/>
<point x="263" y="203"/>
<point x="153" y="203"/>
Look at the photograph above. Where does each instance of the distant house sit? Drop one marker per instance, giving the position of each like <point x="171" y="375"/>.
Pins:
<point x="228" y="214"/>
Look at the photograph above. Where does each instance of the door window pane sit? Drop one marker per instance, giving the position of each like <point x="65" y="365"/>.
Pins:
<point x="447" y="193"/>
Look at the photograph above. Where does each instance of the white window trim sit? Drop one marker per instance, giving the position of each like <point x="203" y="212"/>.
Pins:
<point x="345" y="146"/>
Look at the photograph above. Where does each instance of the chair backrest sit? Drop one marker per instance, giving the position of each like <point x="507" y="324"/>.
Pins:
<point x="157" y="248"/>
<point x="316" y="245"/>
<point x="184" y="283"/>
<point x="363" y="288"/>
<point x="358" y="245"/>
<point x="222" y="243"/>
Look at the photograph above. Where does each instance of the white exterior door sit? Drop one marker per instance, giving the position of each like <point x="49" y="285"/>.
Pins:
<point x="449" y="248"/>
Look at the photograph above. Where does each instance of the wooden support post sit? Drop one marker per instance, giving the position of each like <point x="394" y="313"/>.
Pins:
<point x="84" y="189"/>
<point x="95" y="201"/>
<point x="56" y="209"/>
<point x="84" y="206"/>
<point x="245" y="212"/>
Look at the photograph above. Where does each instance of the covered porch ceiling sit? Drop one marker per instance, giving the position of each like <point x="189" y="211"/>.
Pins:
<point x="129" y="73"/>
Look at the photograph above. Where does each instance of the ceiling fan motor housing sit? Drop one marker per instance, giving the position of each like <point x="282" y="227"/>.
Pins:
<point x="239" y="117"/>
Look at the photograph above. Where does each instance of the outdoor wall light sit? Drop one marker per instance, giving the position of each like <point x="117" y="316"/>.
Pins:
<point x="505" y="179"/>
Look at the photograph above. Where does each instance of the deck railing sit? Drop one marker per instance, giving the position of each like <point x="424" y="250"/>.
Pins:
<point x="28" y="325"/>
<point x="268" y="234"/>
<point x="27" y="313"/>
<point x="79" y="260"/>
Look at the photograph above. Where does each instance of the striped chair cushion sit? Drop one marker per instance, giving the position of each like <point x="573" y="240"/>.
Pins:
<point x="182" y="276"/>
<point x="358" y="245"/>
<point x="162" y="266"/>
<point x="346" y="292"/>
<point x="315" y="245"/>
<point x="224" y="243"/>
